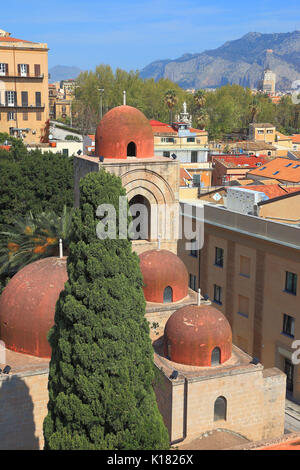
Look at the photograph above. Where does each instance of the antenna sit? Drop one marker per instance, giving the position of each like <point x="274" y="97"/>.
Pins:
<point x="124" y="98"/>
<point x="60" y="248"/>
<point x="158" y="242"/>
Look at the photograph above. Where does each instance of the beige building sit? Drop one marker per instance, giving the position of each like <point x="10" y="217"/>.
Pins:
<point x="262" y="132"/>
<point x="250" y="267"/>
<point x="24" y="107"/>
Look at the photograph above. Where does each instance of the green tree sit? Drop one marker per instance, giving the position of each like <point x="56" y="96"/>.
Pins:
<point x="170" y="99"/>
<point x="101" y="371"/>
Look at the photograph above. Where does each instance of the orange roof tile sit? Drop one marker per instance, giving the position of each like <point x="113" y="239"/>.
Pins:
<point x="283" y="169"/>
<point x="296" y="138"/>
<point x="233" y="161"/>
<point x="184" y="175"/>
<point x="272" y="190"/>
<point x="293" y="444"/>
<point x="9" y="39"/>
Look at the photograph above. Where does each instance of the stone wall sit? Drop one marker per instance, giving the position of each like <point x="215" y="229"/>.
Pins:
<point x="23" y="407"/>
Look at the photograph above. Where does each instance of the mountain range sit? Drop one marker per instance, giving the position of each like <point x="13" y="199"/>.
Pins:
<point x="241" y="61"/>
<point x="63" y="72"/>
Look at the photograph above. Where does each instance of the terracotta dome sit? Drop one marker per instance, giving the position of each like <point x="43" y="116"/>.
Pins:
<point x="165" y="276"/>
<point x="27" y="306"/>
<point x="124" y="131"/>
<point x="196" y="334"/>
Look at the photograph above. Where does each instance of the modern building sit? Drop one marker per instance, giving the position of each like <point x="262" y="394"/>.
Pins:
<point x="268" y="84"/>
<point x="24" y="107"/>
<point x="249" y="267"/>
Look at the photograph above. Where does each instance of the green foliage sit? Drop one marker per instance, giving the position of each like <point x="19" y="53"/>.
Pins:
<point x="33" y="237"/>
<point x="101" y="371"/>
<point x="32" y="181"/>
<point x="72" y="137"/>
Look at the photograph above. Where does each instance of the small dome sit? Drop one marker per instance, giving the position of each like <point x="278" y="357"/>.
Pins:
<point x="165" y="276"/>
<point x="27" y="306"/>
<point x="124" y="132"/>
<point x="197" y="335"/>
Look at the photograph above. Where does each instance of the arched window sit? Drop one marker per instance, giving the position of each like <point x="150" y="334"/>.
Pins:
<point x="216" y="357"/>
<point x="140" y="210"/>
<point x="220" y="409"/>
<point x="131" y="149"/>
<point x="168" y="295"/>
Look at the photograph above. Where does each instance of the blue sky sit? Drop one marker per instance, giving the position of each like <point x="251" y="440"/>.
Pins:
<point x="131" y="34"/>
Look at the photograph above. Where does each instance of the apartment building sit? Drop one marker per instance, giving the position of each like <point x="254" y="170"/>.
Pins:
<point x="249" y="267"/>
<point x="24" y="107"/>
<point x="262" y="132"/>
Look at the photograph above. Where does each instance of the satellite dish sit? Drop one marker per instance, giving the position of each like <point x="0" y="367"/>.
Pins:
<point x="50" y="136"/>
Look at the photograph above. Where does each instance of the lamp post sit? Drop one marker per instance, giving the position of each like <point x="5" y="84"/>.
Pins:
<point x="101" y="93"/>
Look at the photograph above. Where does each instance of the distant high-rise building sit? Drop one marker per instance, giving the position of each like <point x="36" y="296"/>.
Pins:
<point x="269" y="82"/>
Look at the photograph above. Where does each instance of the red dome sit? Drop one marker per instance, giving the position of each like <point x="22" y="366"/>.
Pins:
<point x="192" y="333"/>
<point x="124" y="131"/>
<point x="27" y="306"/>
<point x="162" y="269"/>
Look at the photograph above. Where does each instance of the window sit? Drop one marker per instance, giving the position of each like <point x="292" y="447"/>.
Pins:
<point x="23" y="70"/>
<point x="219" y="257"/>
<point x="275" y="172"/>
<point x="38" y="99"/>
<point x="3" y="69"/>
<point x="194" y="251"/>
<point x="216" y="357"/>
<point x="289" y="371"/>
<point x="11" y="116"/>
<point x="190" y="139"/>
<point x="38" y="116"/>
<point x="192" y="282"/>
<point x="243" y="306"/>
<point x="37" y="70"/>
<point x="65" y="152"/>
<point x="269" y="131"/>
<point x="194" y="156"/>
<point x="288" y="325"/>
<point x="166" y="154"/>
<point x="220" y="409"/>
<point x="291" y="283"/>
<point x="11" y="98"/>
<point x="245" y="266"/>
<point x="218" y="294"/>
<point x="24" y="95"/>
<point x="167" y="139"/>
<point x="260" y="132"/>
<point x="25" y="116"/>
<point x="168" y="295"/>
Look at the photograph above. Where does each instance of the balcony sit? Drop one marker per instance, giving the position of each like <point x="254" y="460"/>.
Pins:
<point x="14" y="106"/>
<point x="23" y="77"/>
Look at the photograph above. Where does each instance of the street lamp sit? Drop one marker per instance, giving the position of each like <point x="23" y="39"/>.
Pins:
<point x="101" y="93"/>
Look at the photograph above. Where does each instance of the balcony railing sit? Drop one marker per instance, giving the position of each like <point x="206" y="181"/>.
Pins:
<point x="21" y="106"/>
<point x="23" y="76"/>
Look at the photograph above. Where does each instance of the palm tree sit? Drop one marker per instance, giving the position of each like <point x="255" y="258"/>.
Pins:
<point x="33" y="237"/>
<point x="202" y="119"/>
<point x="170" y="99"/>
<point x="254" y="109"/>
<point x="200" y="98"/>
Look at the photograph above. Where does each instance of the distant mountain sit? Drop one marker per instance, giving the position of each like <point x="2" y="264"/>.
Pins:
<point x="241" y="61"/>
<point x="63" y="72"/>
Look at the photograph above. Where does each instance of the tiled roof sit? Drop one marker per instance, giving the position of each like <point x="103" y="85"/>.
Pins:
<point x="248" y="145"/>
<point x="296" y="138"/>
<point x="242" y="162"/>
<point x="282" y="169"/>
<point x="281" y="136"/>
<point x="161" y="128"/>
<point x="272" y="190"/>
<point x="9" y="39"/>
<point x="262" y="125"/>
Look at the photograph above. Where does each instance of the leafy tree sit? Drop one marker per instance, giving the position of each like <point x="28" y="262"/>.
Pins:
<point x="101" y="369"/>
<point x="170" y="99"/>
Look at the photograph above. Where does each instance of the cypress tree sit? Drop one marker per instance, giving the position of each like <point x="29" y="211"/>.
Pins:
<point x="101" y="370"/>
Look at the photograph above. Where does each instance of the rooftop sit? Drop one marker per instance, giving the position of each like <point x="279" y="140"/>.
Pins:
<point x="262" y="125"/>
<point x="272" y="190"/>
<point x="283" y="169"/>
<point x="245" y="162"/>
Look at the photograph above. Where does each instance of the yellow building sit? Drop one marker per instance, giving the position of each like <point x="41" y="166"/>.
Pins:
<point x="24" y="107"/>
<point x="262" y="132"/>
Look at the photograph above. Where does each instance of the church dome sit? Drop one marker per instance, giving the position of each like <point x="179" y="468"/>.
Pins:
<point x="27" y="306"/>
<point x="165" y="276"/>
<point x="198" y="336"/>
<point x="124" y="132"/>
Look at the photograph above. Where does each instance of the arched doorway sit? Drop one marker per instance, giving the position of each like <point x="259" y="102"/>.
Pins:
<point x="216" y="357"/>
<point x="168" y="295"/>
<point x="131" y="149"/>
<point x="140" y="210"/>
<point x="220" y="409"/>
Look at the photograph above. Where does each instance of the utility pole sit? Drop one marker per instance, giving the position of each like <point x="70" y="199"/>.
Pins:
<point x="101" y="93"/>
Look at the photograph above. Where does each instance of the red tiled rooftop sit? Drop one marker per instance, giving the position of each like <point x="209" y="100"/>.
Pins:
<point x="232" y="161"/>
<point x="272" y="190"/>
<point x="296" y="138"/>
<point x="9" y="39"/>
<point x="283" y="169"/>
<point x="184" y="175"/>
